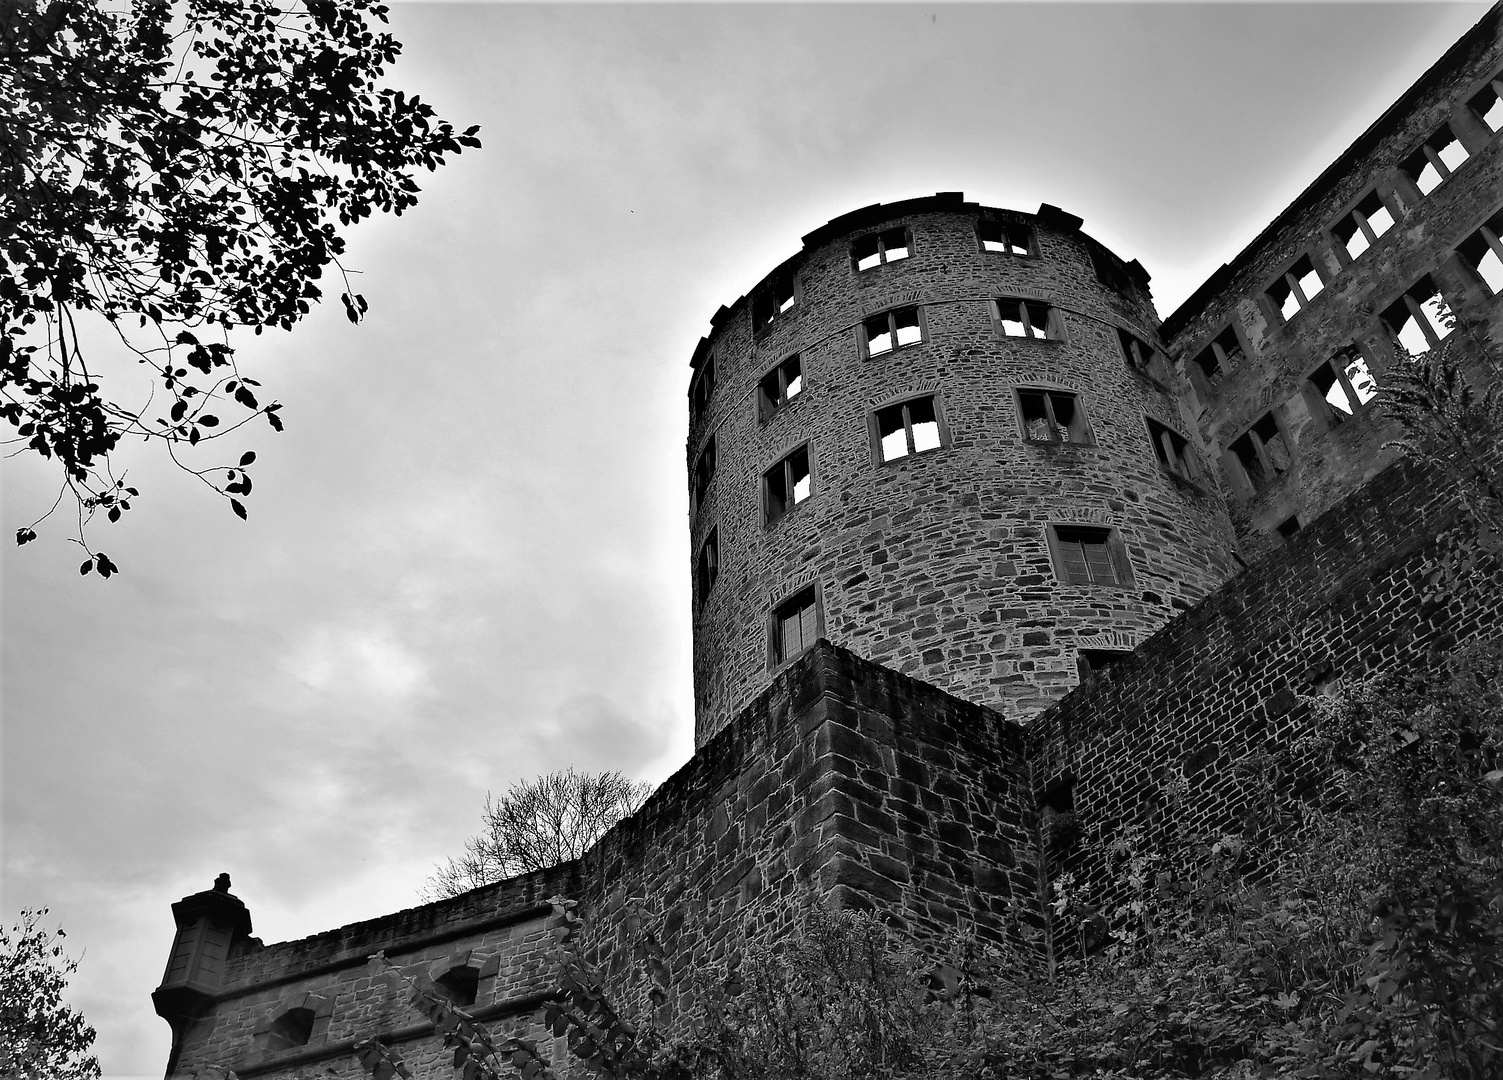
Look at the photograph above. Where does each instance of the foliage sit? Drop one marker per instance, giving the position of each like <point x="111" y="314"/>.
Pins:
<point x="176" y="169"/>
<point x="537" y="824"/>
<point x="40" y="1037"/>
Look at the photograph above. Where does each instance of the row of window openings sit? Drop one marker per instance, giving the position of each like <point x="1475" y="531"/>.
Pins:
<point x="294" y="1027"/>
<point x="1012" y="317"/>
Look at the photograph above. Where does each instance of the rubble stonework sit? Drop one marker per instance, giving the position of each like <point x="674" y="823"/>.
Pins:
<point x="914" y="758"/>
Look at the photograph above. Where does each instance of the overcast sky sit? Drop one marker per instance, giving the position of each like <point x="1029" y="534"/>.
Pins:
<point x="466" y="560"/>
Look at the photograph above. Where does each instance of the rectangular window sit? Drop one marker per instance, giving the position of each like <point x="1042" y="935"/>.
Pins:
<point x="910" y="427"/>
<point x="887" y="246"/>
<point x="1343" y="385"/>
<point x="1262" y="453"/>
<point x="1087" y="555"/>
<point x="707" y="568"/>
<point x="1288" y="527"/>
<point x="1052" y="416"/>
<point x="701" y="389"/>
<point x="786" y="484"/>
<point x="1017" y="317"/>
<point x="1360" y="229"/>
<point x="1092" y="662"/>
<point x="795" y="625"/>
<point x="1143" y="357"/>
<point x="892" y="330"/>
<point x="780" y="386"/>
<point x="1296" y="288"/>
<point x="1007" y="237"/>
<point x="1173" y="451"/>
<point x="704" y="472"/>
<point x="1220" y="356"/>
<point x="1487" y="106"/>
<point x="1419" y="319"/>
<point x="1483" y="252"/>
<point x="1436" y="159"/>
<point x="777" y="298"/>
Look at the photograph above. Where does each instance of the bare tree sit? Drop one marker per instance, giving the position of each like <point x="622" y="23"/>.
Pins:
<point x="537" y="824"/>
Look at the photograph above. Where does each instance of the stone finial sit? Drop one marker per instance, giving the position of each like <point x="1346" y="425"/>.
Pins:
<point x="222" y="883"/>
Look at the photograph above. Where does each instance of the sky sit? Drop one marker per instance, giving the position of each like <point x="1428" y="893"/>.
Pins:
<point x="466" y="561"/>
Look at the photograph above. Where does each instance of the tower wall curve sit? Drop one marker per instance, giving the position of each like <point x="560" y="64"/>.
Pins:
<point x="948" y="428"/>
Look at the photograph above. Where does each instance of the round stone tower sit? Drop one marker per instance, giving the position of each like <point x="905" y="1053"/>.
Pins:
<point x="942" y="436"/>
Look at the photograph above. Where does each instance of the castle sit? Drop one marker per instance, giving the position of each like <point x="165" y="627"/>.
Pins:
<point x="978" y="539"/>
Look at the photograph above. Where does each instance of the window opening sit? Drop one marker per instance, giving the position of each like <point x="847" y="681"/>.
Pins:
<point x="1360" y="229"/>
<point x="883" y="247"/>
<point x="1007" y="237"/>
<point x="1085" y="555"/>
<point x="1436" y="159"/>
<point x="1345" y="384"/>
<point x="780" y="386"/>
<point x="704" y="472"/>
<point x="701" y="390"/>
<point x="911" y="427"/>
<point x="1288" y="527"/>
<point x="1294" y="291"/>
<point x="1483" y="252"/>
<point x="707" y="567"/>
<point x="1052" y="416"/>
<point x="1173" y="451"/>
<point x="1092" y="662"/>
<point x="892" y="330"/>
<point x="786" y="484"/>
<point x="1017" y="317"/>
<point x="1110" y="270"/>
<point x="1221" y="355"/>
<point x="460" y="985"/>
<point x="1419" y="319"/>
<point x="1488" y="104"/>
<point x="778" y="298"/>
<point x="293" y="1028"/>
<point x="1262" y="452"/>
<point x="795" y="625"/>
<point x="1142" y="357"/>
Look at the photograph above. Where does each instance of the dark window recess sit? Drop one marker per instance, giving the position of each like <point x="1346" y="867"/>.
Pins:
<point x="780" y="386"/>
<point x="786" y="484"/>
<point x="1360" y="229"/>
<point x="1017" y="317"/>
<point x="887" y="246"/>
<point x="778" y="298"/>
<point x="1085" y="555"/>
<point x="1420" y="318"/>
<point x="1143" y="357"/>
<point x="892" y="330"/>
<point x="908" y="428"/>
<point x="1487" y="105"/>
<point x="1288" y="527"/>
<point x="795" y="626"/>
<point x="1052" y="416"/>
<point x="460" y="984"/>
<point x="707" y="567"/>
<point x="704" y="472"/>
<point x="1483" y="252"/>
<point x="293" y="1028"/>
<point x="1343" y="385"/>
<point x="1220" y="356"/>
<point x="1173" y="451"/>
<point x="701" y="389"/>
<point x="1262" y="453"/>
<point x="1007" y="237"/>
<point x="1437" y="158"/>
<point x="1091" y="662"/>
<point x="1110" y="270"/>
<point x="1296" y="288"/>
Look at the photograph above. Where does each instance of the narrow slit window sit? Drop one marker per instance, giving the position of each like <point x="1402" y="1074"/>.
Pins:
<point x="1173" y="451"/>
<point x="911" y="427"/>
<point x="1483" y="252"/>
<point x="892" y="330"/>
<point x="1018" y="317"/>
<point x="1419" y="319"/>
<point x="704" y="473"/>
<point x="795" y="625"/>
<point x="786" y="484"/>
<point x="1360" y="229"/>
<point x="1084" y="555"/>
<point x="1052" y="416"/>
<point x="707" y="569"/>
<point x="1437" y="158"/>
<point x="780" y="386"/>
<point x="1488" y="104"/>
<point x="1296" y="288"/>
<point x="875" y="249"/>
<point x="778" y="298"/>
<point x="1006" y="237"/>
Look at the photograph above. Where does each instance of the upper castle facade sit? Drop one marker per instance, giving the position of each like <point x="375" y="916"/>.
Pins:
<point x="951" y="472"/>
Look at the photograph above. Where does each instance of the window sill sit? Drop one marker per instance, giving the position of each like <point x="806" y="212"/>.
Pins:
<point x="898" y="462"/>
<point x="1057" y="444"/>
<point x="1185" y="482"/>
<point x="1019" y="337"/>
<point x="869" y="357"/>
<point x="783" y="410"/>
<point x="793" y="512"/>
